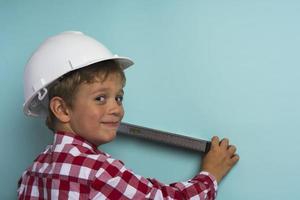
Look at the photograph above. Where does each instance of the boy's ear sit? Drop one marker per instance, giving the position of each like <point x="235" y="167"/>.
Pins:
<point x="60" y="109"/>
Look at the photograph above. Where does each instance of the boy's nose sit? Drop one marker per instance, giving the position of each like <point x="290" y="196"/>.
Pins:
<point x="114" y="108"/>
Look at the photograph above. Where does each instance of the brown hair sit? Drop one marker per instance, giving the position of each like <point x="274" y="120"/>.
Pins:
<point x="67" y="86"/>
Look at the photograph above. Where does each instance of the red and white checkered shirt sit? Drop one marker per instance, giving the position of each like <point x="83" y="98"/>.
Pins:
<point x="72" y="168"/>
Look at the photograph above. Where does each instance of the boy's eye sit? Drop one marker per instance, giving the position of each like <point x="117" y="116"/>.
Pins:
<point x="100" y="98"/>
<point x="119" y="99"/>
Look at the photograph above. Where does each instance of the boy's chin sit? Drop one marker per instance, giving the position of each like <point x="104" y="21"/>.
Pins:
<point x="106" y="137"/>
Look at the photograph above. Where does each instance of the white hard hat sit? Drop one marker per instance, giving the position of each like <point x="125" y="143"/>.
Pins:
<point x="55" y="57"/>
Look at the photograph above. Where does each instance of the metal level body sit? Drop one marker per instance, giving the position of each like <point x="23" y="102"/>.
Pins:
<point x="164" y="137"/>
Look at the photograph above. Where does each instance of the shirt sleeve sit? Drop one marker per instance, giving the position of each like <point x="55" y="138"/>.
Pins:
<point x="114" y="181"/>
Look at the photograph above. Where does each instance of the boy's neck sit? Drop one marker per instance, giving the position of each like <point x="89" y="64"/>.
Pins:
<point x="64" y="127"/>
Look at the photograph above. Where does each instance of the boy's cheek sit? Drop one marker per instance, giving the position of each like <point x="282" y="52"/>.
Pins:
<point x="122" y="113"/>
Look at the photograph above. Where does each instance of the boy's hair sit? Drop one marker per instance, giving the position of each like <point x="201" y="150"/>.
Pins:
<point x="67" y="86"/>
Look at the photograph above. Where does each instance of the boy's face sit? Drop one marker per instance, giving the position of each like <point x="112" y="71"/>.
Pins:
<point x="97" y="110"/>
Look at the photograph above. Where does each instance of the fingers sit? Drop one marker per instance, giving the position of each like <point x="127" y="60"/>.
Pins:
<point x="235" y="158"/>
<point x="224" y="143"/>
<point x="232" y="149"/>
<point x="215" y="141"/>
<point x="232" y="152"/>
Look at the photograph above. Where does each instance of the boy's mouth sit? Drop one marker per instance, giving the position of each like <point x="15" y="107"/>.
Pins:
<point x="111" y="124"/>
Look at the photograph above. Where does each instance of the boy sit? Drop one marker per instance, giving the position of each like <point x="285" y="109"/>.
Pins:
<point x="77" y="84"/>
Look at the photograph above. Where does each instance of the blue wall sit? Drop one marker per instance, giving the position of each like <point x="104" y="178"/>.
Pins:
<point x="203" y="68"/>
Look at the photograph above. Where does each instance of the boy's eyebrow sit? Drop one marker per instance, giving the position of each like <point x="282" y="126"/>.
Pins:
<point x="106" y="89"/>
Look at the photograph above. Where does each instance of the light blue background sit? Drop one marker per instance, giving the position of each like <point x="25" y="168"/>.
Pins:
<point x="227" y="68"/>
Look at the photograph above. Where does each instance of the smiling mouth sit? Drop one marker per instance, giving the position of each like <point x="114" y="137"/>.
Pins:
<point x="111" y="124"/>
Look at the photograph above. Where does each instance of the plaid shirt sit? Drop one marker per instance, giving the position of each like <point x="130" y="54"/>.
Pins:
<point x="72" y="168"/>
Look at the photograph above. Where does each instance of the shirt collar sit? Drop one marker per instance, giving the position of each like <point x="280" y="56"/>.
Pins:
<point x="62" y="137"/>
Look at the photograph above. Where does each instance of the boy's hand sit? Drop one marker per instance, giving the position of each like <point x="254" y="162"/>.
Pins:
<point x="220" y="158"/>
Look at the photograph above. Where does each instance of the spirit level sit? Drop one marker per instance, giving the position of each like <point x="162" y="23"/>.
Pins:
<point x="164" y="137"/>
